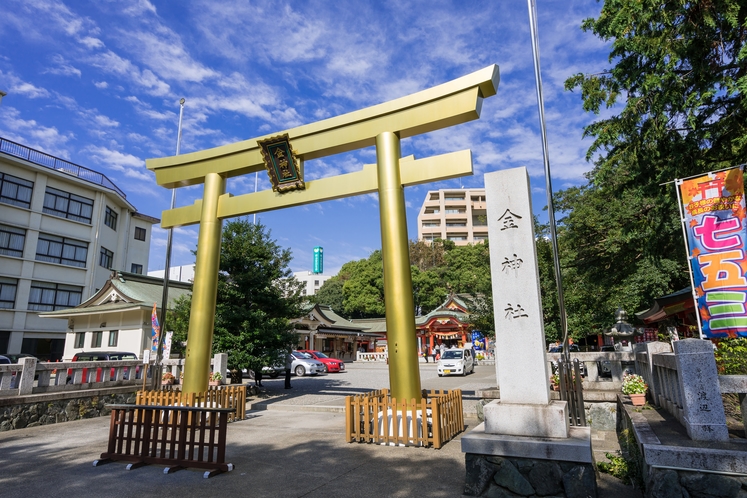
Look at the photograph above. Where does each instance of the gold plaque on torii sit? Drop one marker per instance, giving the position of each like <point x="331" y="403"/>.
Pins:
<point x="282" y="164"/>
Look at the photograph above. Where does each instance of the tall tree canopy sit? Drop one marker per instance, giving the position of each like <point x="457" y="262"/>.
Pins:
<point x="676" y="84"/>
<point x="257" y="297"/>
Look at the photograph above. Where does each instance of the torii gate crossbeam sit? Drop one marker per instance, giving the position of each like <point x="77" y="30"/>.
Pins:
<point x="383" y="125"/>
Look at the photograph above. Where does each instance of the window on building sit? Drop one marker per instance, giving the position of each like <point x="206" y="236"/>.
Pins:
<point x="67" y="205"/>
<point x="140" y="233"/>
<point x="432" y="210"/>
<point x="96" y="339"/>
<point x="453" y="211"/>
<point x="110" y="218"/>
<point x="47" y="296"/>
<point x="135" y="268"/>
<point x="454" y="197"/>
<point x="61" y="250"/>
<point x="8" y="288"/>
<point x="456" y="238"/>
<point x="430" y="224"/>
<point x="15" y="191"/>
<point x="113" y="338"/>
<point x="456" y="224"/>
<point x="12" y="240"/>
<point x="316" y="283"/>
<point x="106" y="258"/>
<point x="80" y="340"/>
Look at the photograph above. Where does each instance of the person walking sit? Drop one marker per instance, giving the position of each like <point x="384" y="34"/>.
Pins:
<point x="288" y="366"/>
<point x="425" y="353"/>
<point x="434" y="350"/>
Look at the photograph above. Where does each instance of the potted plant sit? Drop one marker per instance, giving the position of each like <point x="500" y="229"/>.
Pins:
<point x="215" y="379"/>
<point x="555" y="382"/>
<point x="167" y="379"/>
<point x="635" y="387"/>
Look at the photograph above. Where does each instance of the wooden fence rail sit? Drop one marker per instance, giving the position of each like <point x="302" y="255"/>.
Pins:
<point x="176" y="436"/>
<point x="215" y="397"/>
<point x="376" y="418"/>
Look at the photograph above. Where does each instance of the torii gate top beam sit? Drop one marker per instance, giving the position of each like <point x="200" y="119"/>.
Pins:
<point x="451" y="103"/>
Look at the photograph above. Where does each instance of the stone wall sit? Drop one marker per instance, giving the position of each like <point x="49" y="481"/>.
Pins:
<point x="53" y="411"/>
<point x="666" y="483"/>
<point x="494" y="476"/>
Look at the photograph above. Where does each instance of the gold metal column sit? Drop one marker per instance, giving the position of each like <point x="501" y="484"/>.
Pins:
<point x="404" y="372"/>
<point x="205" y="288"/>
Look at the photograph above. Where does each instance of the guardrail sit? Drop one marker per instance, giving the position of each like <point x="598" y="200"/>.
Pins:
<point x="29" y="376"/>
<point x="603" y="371"/>
<point x="215" y="397"/>
<point x="372" y="357"/>
<point x="57" y="164"/>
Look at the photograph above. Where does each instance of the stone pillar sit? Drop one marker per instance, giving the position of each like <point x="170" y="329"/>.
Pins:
<point x="524" y="408"/>
<point x="220" y="364"/>
<point x="703" y="410"/>
<point x="652" y="348"/>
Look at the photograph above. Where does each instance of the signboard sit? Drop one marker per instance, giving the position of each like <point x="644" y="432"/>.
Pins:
<point x="318" y="260"/>
<point x="155" y="330"/>
<point x="713" y="213"/>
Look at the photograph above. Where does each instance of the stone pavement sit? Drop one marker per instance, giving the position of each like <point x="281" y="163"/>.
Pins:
<point x="290" y="445"/>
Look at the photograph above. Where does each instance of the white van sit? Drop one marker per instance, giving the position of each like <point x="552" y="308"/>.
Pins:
<point x="457" y="361"/>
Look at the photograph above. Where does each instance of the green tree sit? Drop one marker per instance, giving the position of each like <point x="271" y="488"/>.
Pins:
<point x="257" y="297"/>
<point x="330" y="293"/>
<point x="679" y="70"/>
<point x="363" y="287"/>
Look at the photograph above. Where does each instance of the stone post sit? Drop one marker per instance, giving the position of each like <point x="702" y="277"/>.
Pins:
<point x="220" y="364"/>
<point x="653" y="348"/>
<point x="704" y="416"/>
<point x="26" y="377"/>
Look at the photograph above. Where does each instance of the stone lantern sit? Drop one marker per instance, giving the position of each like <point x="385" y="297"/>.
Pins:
<point x="623" y="332"/>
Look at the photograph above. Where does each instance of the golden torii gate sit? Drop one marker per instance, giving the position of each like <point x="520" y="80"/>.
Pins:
<point x="383" y="125"/>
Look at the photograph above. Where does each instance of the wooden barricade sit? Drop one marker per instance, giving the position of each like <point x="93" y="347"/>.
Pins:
<point x="176" y="436"/>
<point x="229" y="396"/>
<point x="376" y="418"/>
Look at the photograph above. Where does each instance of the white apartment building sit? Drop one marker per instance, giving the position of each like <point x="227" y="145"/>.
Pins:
<point x="63" y="228"/>
<point x="459" y="215"/>
<point x="311" y="281"/>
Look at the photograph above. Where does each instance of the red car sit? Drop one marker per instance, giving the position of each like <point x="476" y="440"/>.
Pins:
<point x="331" y="364"/>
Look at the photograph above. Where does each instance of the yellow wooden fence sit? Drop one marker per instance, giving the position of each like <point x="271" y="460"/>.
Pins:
<point x="215" y="397"/>
<point x="374" y="417"/>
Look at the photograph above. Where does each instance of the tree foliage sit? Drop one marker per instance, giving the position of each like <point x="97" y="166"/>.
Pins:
<point x="676" y="84"/>
<point x="257" y="297"/>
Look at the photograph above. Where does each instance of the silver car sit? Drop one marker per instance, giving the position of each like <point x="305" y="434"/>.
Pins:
<point x="305" y="364"/>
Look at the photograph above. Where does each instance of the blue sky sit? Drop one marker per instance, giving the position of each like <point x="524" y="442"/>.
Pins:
<point x="99" y="82"/>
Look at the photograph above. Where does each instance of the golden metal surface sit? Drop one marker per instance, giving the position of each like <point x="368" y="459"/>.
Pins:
<point x="451" y="103"/>
<point x="205" y="288"/>
<point x="404" y="372"/>
<point x="412" y="171"/>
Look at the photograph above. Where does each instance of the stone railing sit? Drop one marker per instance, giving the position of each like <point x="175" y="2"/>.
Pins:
<point x="604" y="371"/>
<point x="685" y="383"/>
<point x="32" y="377"/>
<point x="372" y="357"/>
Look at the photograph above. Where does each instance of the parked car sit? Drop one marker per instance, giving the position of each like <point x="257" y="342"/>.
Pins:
<point x="331" y="364"/>
<point x="604" y="367"/>
<point x="15" y="358"/>
<point x="459" y="361"/>
<point x="4" y="360"/>
<point x="103" y="356"/>
<point x="303" y="364"/>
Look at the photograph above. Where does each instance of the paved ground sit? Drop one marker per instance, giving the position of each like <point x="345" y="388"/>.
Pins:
<point x="292" y="447"/>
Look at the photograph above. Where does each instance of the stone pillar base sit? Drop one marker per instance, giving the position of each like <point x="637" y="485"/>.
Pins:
<point x="518" y="419"/>
<point x="500" y="465"/>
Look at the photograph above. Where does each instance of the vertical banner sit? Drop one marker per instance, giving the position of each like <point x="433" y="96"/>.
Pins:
<point x="167" y="345"/>
<point x="155" y="330"/>
<point x="713" y="213"/>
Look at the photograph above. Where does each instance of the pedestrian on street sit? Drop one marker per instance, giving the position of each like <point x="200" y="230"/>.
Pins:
<point x="288" y="366"/>
<point x="434" y="352"/>
<point x="425" y="354"/>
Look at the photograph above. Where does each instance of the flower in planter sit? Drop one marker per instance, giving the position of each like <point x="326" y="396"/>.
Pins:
<point x="555" y="379"/>
<point x="634" y="384"/>
<point x="215" y="377"/>
<point x="167" y="376"/>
